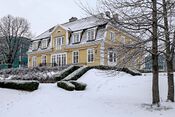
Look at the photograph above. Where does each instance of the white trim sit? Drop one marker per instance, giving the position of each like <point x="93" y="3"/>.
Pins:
<point x="73" y="56"/>
<point x="93" y="55"/>
<point x="67" y="38"/>
<point x="43" y="55"/>
<point x="34" y="57"/>
<point x="59" y="54"/>
<point x="94" y="31"/>
<point x="113" y="63"/>
<point x="102" y="53"/>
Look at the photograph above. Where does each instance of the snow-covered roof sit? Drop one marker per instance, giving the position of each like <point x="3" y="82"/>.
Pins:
<point x="45" y="34"/>
<point x="84" y="23"/>
<point x="80" y="24"/>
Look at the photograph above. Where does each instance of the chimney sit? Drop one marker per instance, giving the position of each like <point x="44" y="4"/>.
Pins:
<point x="72" y="19"/>
<point x="108" y="14"/>
<point x="115" y="17"/>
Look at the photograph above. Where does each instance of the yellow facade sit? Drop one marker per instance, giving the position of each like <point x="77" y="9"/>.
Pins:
<point x="60" y="31"/>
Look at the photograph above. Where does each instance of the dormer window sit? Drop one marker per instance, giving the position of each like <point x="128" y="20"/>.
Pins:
<point x="58" y="42"/>
<point x="76" y="38"/>
<point x="44" y="43"/>
<point x="35" y="45"/>
<point x="90" y="35"/>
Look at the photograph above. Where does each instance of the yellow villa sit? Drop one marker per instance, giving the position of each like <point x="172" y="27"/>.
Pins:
<point x="79" y="41"/>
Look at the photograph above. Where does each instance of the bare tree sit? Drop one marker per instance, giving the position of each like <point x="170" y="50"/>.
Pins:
<point x="168" y="9"/>
<point x="12" y="30"/>
<point x="140" y="18"/>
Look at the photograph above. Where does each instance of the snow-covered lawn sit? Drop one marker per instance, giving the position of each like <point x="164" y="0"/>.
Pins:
<point x="106" y="95"/>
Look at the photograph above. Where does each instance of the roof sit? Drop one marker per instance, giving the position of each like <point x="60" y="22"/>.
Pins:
<point x="77" y="25"/>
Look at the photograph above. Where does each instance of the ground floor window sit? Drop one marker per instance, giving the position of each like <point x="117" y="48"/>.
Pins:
<point x="34" y="61"/>
<point x="44" y="59"/>
<point x="111" y="56"/>
<point x="59" y="59"/>
<point x="75" y="57"/>
<point x="90" y="55"/>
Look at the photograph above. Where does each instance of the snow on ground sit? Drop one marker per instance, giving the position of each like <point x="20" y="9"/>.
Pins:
<point x="107" y="95"/>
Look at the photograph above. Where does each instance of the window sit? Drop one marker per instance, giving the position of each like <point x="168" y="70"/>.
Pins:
<point x="112" y="56"/>
<point x="34" y="61"/>
<point x="53" y="60"/>
<point x="112" y="36"/>
<point x="35" y="45"/>
<point x="44" y="59"/>
<point x="44" y="43"/>
<point x="90" y="53"/>
<point x="75" y="57"/>
<point x="76" y="38"/>
<point x="123" y="41"/>
<point x="59" y="59"/>
<point x="90" y="35"/>
<point x="58" y="42"/>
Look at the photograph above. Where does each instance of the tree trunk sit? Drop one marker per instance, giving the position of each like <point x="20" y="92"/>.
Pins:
<point x="170" y="81"/>
<point x="169" y="55"/>
<point x="155" y="83"/>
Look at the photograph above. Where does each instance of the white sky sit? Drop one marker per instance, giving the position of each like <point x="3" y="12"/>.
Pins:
<point x="43" y="14"/>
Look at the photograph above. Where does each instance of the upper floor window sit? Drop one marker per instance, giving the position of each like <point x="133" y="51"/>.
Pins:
<point x="123" y="39"/>
<point x="112" y="36"/>
<point x="90" y="35"/>
<point x="75" y="57"/>
<point x="34" y="45"/>
<point x="76" y="38"/>
<point x="44" y="43"/>
<point x="58" y="42"/>
<point x="90" y="57"/>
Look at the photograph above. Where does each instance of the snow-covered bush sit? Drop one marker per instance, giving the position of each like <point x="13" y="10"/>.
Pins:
<point x="66" y="85"/>
<point x="61" y="75"/>
<point x="77" y="73"/>
<point x="42" y="74"/>
<point x="19" y="84"/>
<point x="126" y="70"/>
<point x="79" y="86"/>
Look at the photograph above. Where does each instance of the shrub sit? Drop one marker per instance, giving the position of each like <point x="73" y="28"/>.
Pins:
<point x="19" y="84"/>
<point x="66" y="85"/>
<point x="65" y="72"/>
<point x="78" y="85"/>
<point x="77" y="74"/>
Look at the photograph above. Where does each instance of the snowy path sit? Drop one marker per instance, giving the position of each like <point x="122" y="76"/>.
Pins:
<point x="106" y="96"/>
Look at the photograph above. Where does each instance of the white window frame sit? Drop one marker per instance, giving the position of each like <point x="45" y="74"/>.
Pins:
<point x="35" y="45"/>
<point x="44" y="43"/>
<point x="34" y="61"/>
<point x="53" y="59"/>
<point x="60" y="59"/>
<point x="59" y="42"/>
<point x="92" y="53"/>
<point x="73" y="57"/>
<point x="123" y="39"/>
<point x="112" y="36"/>
<point x="76" y="40"/>
<point x="90" y="34"/>
<point x="114" y="57"/>
<point x="43" y="59"/>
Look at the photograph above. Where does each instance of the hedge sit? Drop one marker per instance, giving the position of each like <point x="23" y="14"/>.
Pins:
<point x="19" y="84"/>
<point x="77" y="74"/>
<point x="78" y="85"/>
<point x="65" y="72"/>
<point x="126" y="70"/>
<point x="66" y="85"/>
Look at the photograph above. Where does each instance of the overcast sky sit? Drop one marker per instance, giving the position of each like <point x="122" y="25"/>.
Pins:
<point x="43" y="14"/>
